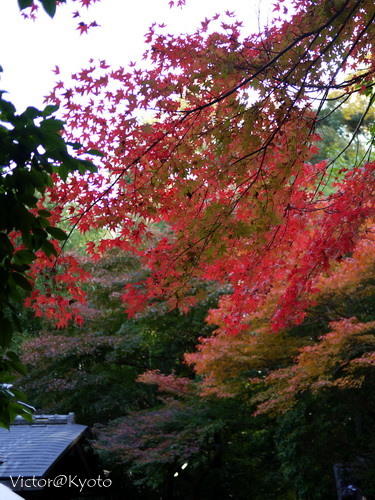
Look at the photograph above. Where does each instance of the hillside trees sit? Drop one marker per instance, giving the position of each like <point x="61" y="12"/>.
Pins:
<point x="92" y="367"/>
<point x="191" y="447"/>
<point x="314" y="379"/>
<point x="309" y="384"/>
<point x="283" y="408"/>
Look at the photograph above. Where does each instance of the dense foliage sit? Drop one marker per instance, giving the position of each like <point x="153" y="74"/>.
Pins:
<point x="92" y="367"/>
<point x="216" y="137"/>
<point x="314" y="382"/>
<point x="311" y="383"/>
<point x="236" y="184"/>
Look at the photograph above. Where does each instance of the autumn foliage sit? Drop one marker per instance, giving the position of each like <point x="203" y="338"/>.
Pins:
<point x="215" y="136"/>
<point x="337" y="351"/>
<point x="212" y="170"/>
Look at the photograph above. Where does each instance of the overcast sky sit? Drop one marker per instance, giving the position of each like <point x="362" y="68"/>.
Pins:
<point x="30" y="50"/>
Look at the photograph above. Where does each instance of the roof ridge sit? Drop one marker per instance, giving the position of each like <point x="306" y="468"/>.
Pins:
<point x="46" y="419"/>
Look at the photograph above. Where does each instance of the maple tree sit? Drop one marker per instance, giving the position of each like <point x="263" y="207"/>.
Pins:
<point x="214" y="138"/>
<point x="314" y="379"/>
<point x="225" y="139"/>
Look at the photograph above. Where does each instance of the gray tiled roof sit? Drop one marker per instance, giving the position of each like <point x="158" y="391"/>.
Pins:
<point x="30" y="450"/>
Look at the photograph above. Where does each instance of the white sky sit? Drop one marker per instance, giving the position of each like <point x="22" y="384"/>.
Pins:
<point x="30" y="50"/>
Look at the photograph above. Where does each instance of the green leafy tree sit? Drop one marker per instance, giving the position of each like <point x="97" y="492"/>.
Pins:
<point x="32" y="151"/>
<point x="33" y="155"/>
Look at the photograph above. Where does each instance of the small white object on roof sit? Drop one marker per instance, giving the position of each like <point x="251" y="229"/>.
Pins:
<point x="8" y="494"/>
